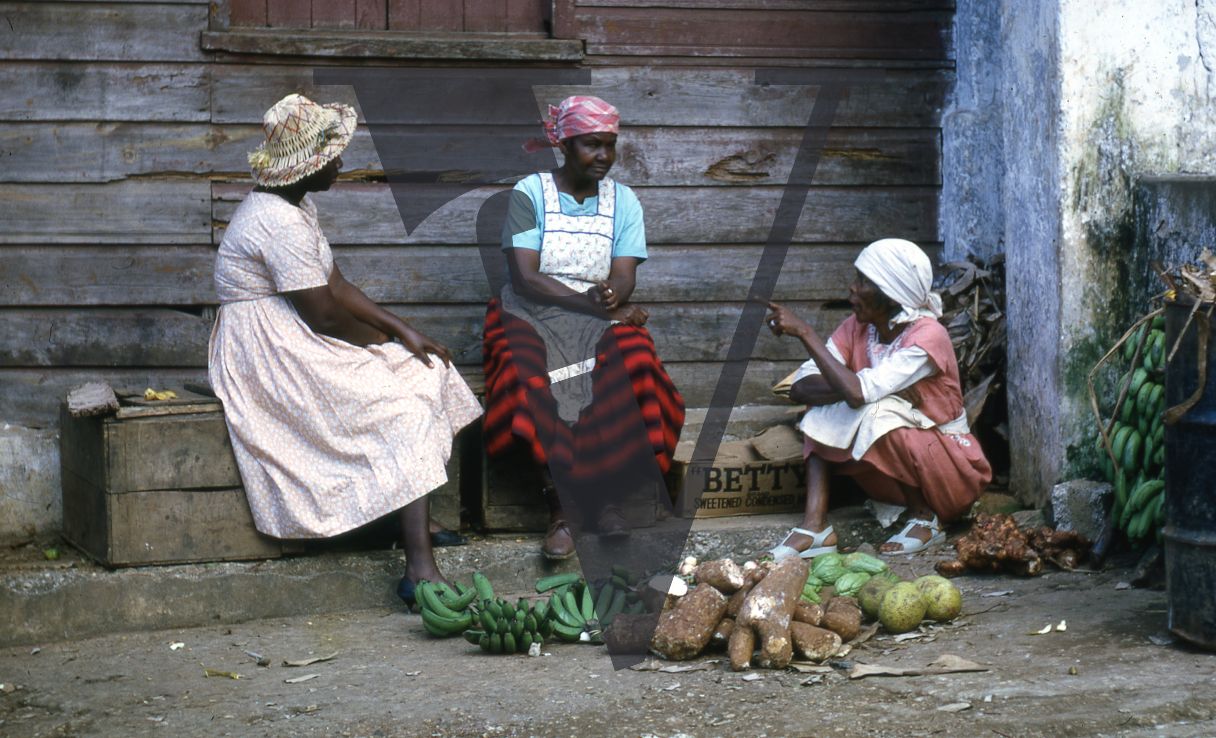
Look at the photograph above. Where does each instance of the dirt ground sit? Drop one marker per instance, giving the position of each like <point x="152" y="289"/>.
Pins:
<point x="1113" y="671"/>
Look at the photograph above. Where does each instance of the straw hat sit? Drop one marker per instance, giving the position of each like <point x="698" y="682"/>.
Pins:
<point x="301" y="138"/>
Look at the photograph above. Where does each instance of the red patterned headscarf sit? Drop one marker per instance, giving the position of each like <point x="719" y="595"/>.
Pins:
<point x="575" y="116"/>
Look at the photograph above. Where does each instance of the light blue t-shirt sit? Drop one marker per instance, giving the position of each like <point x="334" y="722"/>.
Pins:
<point x="628" y="231"/>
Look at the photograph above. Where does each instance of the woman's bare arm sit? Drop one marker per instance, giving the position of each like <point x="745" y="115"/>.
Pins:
<point x="836" y="375"/>
<point x="363" y="308"/>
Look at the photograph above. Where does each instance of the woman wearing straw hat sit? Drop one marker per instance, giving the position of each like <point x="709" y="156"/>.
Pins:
<point x="571" y="373"/>
<point x="339" y="411"/>
<point x="886" y="406"/>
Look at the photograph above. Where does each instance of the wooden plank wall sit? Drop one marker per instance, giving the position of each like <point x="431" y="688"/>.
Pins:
<point x="124" y="157"/>
<point x="477" y="16"/>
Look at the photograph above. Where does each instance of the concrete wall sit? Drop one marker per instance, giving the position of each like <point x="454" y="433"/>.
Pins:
<point x="973" y="164"/>
<point x="1095" y="96"/>
<point x="29" y="481"/>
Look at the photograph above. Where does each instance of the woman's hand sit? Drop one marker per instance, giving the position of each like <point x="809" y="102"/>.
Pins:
<point x="630" y="315"/>
<point x="606" y="296"/>
<point x="783" y="322"/>
<point x="419" y="344"/>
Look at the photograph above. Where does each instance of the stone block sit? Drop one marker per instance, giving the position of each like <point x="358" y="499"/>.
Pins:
<point x="995" y="503"/>
<point x="1081" y="505"/>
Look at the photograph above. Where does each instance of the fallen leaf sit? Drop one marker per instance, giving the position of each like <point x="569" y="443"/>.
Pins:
<point x="304" y="678"/>
<point x="1063" y="626"/>
<point x="218" y="673"/>
<point x="671" y="687"/>
<point x="955" y="707"/>
<point x="813" y="679"/>
<point x="908" y="636"/>
<point x="34" y="651"/>
<point x="647" y="665"/>
<point x="1045" y="629"/>
<point x="258" y="658"/>
<point x="1123" y="585"/>
<point x="806" y="667"/>
<point x="948" y="663"/>
<point x="412" y="673"/>
<point x="751" y="677"/>
<point x="307" y="662"/>
<point x="944" y="664"/>
<point x="866" y="634"/>
<point x="703" y="666"/>
<point x="998" y="593"/>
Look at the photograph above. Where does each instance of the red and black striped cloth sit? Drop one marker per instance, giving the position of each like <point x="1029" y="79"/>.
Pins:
<point x="636" y="412"/>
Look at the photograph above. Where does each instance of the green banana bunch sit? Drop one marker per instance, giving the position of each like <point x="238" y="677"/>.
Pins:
<point x="501" y="627"/>
<point x="1136" y="462"/>
<point x="444" y="610"/>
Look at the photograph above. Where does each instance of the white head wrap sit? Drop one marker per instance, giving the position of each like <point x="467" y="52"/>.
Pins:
<point x="903" y="273"/>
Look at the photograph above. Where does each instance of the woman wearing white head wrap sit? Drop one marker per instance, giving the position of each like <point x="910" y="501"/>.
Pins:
<point x="885" y="405"/>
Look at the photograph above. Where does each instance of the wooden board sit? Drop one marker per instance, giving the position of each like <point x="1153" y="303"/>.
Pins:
<point x="31" y="397"/>
<point x="88" y="152"/>
<point x="322" y="43"/>
<point x="646" y="96"/>
<point x="169" y="338"/>
<point x="698" y="156"/>
<point x="367" y="214"/>
<point x="104" y="152"/>
<point x="856" y="6"/>
<point x="766" y="32"/>
<point x="166" y="211"/>
<point x="88" y="275"/>
<point x="169" y="452"/>
<point x="65" y="91"/>
<point x="103" y="31"/>
<point x="119" y="275"/>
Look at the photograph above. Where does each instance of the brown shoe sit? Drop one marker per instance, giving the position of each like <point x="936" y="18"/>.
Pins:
<point x="611" y="524"/>
<point x="558" y="544"/>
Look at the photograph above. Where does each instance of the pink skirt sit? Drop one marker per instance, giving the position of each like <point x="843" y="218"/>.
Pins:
<point x="950" y="470"/>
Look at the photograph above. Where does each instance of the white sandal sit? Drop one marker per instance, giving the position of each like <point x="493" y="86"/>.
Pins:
<point x="817" y="548"/>
<point x="912" y="545"/>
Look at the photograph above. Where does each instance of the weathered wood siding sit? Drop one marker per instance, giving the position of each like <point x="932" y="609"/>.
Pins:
<point x="495" y="16"/>
<point x="123" y="145"/>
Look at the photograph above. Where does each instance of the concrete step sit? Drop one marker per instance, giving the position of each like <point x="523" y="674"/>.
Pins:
<point x="47" y="601"/>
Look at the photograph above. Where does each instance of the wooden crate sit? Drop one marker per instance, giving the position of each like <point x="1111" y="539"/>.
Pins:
<point x="157" y="489"/>
<point x="511" y="500"/>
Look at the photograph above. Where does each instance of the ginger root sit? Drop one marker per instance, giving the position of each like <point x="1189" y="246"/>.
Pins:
<point x="995" y="543"/>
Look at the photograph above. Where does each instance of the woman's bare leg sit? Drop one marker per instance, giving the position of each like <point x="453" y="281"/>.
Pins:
<point x="416" y="540"/>
<point x="815" y="515"/>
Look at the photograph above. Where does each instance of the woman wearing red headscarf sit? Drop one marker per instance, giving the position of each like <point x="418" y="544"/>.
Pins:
<point x="571" y="372"/>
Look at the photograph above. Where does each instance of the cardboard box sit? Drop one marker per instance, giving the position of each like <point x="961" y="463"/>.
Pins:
<point x="757" y="476"/>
